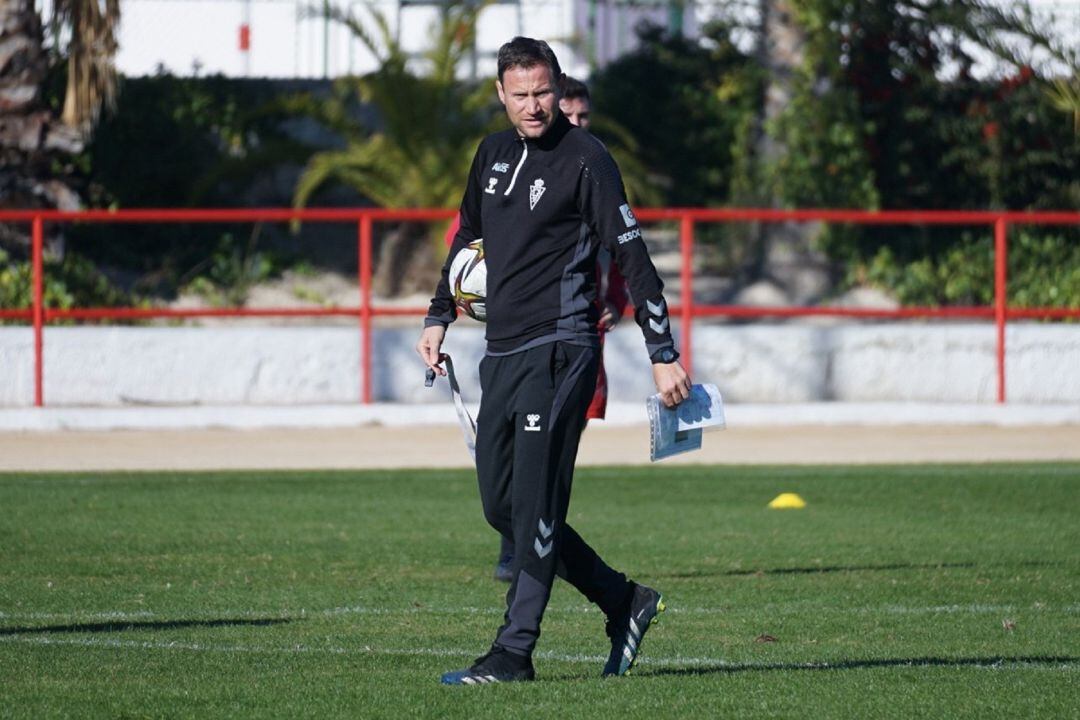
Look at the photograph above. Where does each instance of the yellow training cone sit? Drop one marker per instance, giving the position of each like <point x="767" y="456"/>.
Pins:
<point x="785" y="501"/>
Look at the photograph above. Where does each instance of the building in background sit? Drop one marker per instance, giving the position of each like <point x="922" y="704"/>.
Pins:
<point x="290" y="38"/>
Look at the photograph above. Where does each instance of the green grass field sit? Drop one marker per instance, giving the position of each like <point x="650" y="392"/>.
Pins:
<point x="934" y="591"/>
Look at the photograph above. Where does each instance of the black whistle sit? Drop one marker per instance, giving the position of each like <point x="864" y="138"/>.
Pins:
<point x="429" y="378"/>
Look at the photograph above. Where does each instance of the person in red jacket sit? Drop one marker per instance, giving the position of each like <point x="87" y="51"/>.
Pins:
<point x="575" y="104"/>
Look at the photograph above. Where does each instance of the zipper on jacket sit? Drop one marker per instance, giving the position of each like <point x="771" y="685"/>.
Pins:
<point x="524" y="154"/>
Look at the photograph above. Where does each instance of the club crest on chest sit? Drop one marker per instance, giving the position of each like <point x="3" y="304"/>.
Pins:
<point x="536" y="191"/>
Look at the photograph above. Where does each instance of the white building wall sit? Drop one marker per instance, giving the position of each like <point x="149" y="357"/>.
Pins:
<point x="287" y="39"/>
<point x="187" y="37"/>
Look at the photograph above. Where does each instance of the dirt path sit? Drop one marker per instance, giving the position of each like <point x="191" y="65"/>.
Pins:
<point x="442" y="446"/>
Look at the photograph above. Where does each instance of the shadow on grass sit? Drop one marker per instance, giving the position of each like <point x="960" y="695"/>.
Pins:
<point x="124" y="626"/>
<point x="983" y="662"/>
<point x="761" y="572"/>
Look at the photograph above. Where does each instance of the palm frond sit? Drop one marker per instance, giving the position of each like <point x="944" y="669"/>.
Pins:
<point x="359" y="32"/>
<point x="91" y="49"/>
<point x="1009" y="31"/>
<point x="419" y="150"/>
<point x="455" y="36"/>
<point x="1064" y="94"/>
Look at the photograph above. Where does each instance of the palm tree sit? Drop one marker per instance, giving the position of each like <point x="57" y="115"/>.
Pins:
<point x="419" y="151"/>
<point x="30" y="133"/>
<point x="428" y="124"/>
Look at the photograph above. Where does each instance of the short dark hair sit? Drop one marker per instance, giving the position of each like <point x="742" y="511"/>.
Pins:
<point x="526" y="53"/>
<point x="572" y="88"/>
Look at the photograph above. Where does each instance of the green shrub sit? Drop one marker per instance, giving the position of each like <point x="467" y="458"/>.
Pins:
<point x="71" y="282"/>
<point x="1043" y="271"/>
<point x="226" y="277"/>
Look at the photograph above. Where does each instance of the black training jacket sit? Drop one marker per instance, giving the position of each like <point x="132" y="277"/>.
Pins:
<point x="528" y="200"/>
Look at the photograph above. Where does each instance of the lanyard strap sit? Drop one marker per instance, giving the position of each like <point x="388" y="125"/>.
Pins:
<point x="468" y="425"/>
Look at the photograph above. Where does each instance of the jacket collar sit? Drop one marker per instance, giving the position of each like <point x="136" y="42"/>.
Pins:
<point x="555" y="133"/>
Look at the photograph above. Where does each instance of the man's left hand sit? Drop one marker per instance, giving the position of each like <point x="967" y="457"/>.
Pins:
<point x="672" y="382"/>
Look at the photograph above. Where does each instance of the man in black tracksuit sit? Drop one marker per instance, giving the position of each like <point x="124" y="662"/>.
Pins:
<point x="529" y="191"/>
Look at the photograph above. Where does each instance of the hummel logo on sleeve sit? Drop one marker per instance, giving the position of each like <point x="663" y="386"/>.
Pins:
<point x="659" y="310"/>
<point x="627" y="215"/>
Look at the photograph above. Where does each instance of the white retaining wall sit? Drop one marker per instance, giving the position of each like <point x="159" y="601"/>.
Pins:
<point x="112" y="366"/>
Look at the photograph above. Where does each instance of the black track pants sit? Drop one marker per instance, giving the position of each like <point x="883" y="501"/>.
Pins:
<point x="532" y="412"/>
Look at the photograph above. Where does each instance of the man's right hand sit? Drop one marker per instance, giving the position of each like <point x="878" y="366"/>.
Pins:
<point x="430" y="345"/>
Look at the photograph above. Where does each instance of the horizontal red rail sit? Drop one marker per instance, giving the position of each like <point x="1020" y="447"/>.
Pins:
<point x="227" y="215"/>
<point x="1044" y="313"/>
<point x="788" y="311"/>
<point x="861" y="217"/>
<point x="343" y="215"/>
<point x="149" y="313"/>
<point x="698" y="311"/>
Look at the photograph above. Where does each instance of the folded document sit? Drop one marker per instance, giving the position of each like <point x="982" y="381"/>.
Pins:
<point x="679" y="429"/>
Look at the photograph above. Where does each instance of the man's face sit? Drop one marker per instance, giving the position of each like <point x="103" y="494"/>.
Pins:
<point x="531" y="97"/>
<point x="576" y="110"/>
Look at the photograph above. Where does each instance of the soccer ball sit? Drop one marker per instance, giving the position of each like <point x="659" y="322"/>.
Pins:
<point x="468" y="280"/>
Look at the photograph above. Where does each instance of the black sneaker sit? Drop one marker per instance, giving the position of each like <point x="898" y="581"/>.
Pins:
<point x="504" y="568"/>
<point x="627" y="631"/>
<point x="499" y="665"/>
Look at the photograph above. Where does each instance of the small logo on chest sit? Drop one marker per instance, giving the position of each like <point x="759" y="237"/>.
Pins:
<point x="532" y="419"/>
<point x="500" y="167"/>
<point x="536" y="191"/>
<point x="492" y="182"/>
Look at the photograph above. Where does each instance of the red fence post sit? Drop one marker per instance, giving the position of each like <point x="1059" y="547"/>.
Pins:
<point x="686" y="249"/>
<point x="1001" y="302"/>
<point x="364" y="270"/>
<point x="37" y="242"/>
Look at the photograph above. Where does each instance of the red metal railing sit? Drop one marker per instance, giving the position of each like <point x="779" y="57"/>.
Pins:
<point x="38" y="315"/>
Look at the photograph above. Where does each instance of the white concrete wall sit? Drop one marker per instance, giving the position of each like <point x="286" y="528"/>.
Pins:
<point x="111" y="366"/>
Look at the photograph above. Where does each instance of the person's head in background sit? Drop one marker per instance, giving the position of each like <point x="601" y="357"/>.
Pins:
<point x="575" y="103"/>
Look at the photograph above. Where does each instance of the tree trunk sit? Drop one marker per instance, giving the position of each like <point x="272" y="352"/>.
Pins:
<point x="781" y="51"/>
<point x="23" y="120"/>
<point x="30" y="135"/>
<point x="784" y="254"/>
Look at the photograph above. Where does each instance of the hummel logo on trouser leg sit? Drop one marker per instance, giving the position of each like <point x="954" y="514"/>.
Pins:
<point x="540" y="547"/>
